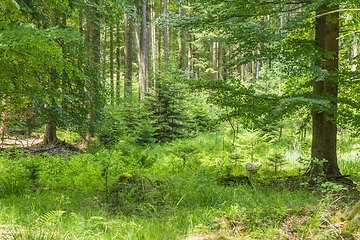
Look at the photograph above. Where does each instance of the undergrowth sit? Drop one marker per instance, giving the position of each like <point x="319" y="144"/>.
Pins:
<point x="73" y="197"/>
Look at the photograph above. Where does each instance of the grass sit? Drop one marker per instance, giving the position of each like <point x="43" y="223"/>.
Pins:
<point x="68" y="199"/>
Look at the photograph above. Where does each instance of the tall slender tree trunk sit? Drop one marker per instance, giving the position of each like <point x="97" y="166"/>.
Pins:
<point x="148" y="74"/>
<point x="159" y="42"/>
<point x="153" y="43"/>
<point x="104" y="54"/>
<point x="117" y="63"/>
<point x="94" y="37"/>
<point x="190" y="47"/>
<point x="112" y="63"/>
<point x="166" y="39"/>
<point x="50" y="136"/>
<point x="183" y="44"/>
<point x="128" y="36"/>
<point x="142" y="64"/>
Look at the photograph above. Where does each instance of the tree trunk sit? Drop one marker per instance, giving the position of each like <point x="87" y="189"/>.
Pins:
<point x="142" y="63"/>
<point x="128" y="32"/>
<point x="183" y="44"/>
<point x="159" y="43"/>
<point x="324" y="126"/>
<point x="166" y="39"/>
<point x="111" y="64"/>
<point x="3" y="126"/>
<point x="117" y="63"/>
<point x="94" y="47"/>
<point x="153" y="43"/>
<point x="148" y="74"/>
<point x="189" y="48"/>
<point x="331" y="89"/>
<point x="104" y="54"/>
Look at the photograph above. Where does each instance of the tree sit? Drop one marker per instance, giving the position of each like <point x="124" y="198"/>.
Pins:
<point x="305" y="62"/>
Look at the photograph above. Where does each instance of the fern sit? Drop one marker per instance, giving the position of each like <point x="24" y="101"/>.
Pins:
<point x="50" y="218"/>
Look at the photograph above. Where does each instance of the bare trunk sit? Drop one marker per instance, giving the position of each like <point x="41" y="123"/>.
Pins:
<point x="183" y="44"/>
<point x="111" y="64"/>
<point x="94" y="36"/>
<point x="128" y="32"/>
<point x="166" y="39"/>
<point x="331" y="89"/>
<point x="189" y="48"/>
<point x="4" y="129"/>
<point x="159" y="43"/>
<point x="117" y="63"/>
<point x="142" y="62"/>
<point x="104" y="54"/>
<point x="153" y="43"/>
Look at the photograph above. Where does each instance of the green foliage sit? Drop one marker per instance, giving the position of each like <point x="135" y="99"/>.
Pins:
<point x="276" y="160"/>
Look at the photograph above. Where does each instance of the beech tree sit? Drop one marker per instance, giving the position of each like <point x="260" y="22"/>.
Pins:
<point x="309" y="56"/>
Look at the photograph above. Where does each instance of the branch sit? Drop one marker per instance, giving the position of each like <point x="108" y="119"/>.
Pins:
<point x="338" y="10"/>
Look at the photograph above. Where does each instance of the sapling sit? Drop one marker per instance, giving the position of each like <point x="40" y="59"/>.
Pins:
<point x="277" y="160"/>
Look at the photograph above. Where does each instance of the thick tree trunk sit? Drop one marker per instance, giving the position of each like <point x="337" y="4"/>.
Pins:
<point x="331" y="89"/>
<point x="324" y="126"/>
<point x="50" y="134"/>
<point x="318" y="89"/>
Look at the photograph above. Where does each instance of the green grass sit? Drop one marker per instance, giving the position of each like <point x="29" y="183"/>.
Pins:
<point x="67" y="200"/>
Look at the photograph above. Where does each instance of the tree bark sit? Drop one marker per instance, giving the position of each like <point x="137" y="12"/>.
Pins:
<point x="112" y="63"/>
<point x="128" y="36"/>
<point x="104" y="54"/>
<point x="331" y="89"/>
<point x="324" y="125"/>
<point x="159" y="42"/>
<point x="94" y="47"/>
<point x="166" y="39"/>
<point x="183" y="44"/>
<point x="142" y="64"/>
<point x="189" y="48"/>
<point x="117" y="63"/>
<point x="153" y="44"/>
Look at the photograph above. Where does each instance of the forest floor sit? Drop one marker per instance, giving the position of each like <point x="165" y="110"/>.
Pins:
<point x="186" y="204"/>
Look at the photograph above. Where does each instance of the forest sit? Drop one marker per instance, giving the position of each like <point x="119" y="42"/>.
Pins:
<point x="179" y="119"/>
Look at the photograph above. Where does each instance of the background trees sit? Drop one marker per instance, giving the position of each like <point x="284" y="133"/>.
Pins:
<point x="261" y="62"/>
